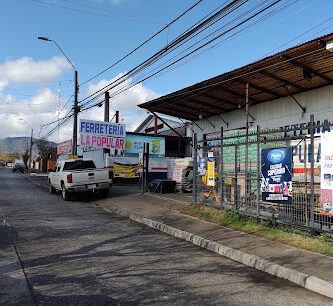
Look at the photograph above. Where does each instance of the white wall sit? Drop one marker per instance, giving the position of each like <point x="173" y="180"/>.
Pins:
<point x="275" y="113"/>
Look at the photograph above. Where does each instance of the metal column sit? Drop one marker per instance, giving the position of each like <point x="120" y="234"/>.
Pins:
<point x="312" y="127"/>
<point x="195" y="168"/>
<point x="221" y="170"/>
<point x="258" y="173"/>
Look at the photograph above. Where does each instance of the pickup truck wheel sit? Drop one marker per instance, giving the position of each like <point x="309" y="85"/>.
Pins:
<point x="51" y="189"/>
<point x="65" y="194"/>
<point x="104" y="192"/>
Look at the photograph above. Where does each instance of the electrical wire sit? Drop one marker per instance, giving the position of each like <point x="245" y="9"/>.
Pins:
<point x="139" y="19"/>
<point x="198" y="48"/>
<point x="93" y="13"/>
<point x="142" y="44"/>
<point x="215" y="38"/>
<point x="167" y="48"/>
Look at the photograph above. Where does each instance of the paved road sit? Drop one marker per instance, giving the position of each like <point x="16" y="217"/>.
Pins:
<point x="74" y="253"/>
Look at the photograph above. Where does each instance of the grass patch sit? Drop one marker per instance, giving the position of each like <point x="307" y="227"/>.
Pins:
<point x="266" y="229"/>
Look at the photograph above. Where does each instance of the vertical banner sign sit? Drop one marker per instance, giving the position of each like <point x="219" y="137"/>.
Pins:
<point x="202" y="166"/>
<point x="211" y="171"/>
<point x="326" y="175"/>
<point x="276" y="181"/>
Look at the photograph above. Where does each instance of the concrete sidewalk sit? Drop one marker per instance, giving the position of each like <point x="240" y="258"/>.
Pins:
<point x="166" y="209"/>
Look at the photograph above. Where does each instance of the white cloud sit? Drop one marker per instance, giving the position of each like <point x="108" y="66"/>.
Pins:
<point x="37" y="110"/>
<point x="27" y="71"/>
<point x="43" y="107"/>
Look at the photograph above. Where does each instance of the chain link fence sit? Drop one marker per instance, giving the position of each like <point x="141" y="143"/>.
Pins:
<point x="238" y="181"/>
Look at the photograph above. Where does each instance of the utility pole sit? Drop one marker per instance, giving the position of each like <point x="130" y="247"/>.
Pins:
<point x="76" y="111"/>
<point x="106" y="116"/>
<point x="117" y="121"/>
<point x="29" y="166"/>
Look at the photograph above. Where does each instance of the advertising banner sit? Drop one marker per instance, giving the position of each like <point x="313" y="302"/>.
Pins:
<point x="125" y="170"/>
<point x="276" y="181"/>
<point x="64" y="147"/>
<point x="211" y="171"/>
<point x="134" y="145"/>
<point x="326" y="175"/>
<point x="100" y="134"/>
<point x="202" y="166"/>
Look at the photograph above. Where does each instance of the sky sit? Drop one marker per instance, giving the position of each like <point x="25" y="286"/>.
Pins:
<point x="36" y="80"/>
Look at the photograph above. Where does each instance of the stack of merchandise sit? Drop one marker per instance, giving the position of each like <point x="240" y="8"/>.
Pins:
<point x="182" y="174"/>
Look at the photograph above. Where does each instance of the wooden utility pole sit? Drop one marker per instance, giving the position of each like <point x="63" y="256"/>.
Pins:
<point x="106" y="117"/>
<point x="76" y="111"/>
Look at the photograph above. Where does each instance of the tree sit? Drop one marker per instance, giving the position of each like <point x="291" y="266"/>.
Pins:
<point x="25" y="157"/>
<point x="43" y="152"/>
<point x="43" y="148"/>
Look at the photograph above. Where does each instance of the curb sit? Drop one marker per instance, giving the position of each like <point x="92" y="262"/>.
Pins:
<point x="307" y="281"/>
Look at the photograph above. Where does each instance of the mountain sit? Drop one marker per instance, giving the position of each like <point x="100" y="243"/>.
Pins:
<point x="18" y="144"/>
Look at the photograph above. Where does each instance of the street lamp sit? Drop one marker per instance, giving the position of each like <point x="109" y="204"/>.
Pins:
<point x="76" y="89"/>
<point x="31" y="143"/>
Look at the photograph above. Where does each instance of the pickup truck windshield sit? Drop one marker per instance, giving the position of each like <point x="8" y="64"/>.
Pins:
<point x="79" y="165"/>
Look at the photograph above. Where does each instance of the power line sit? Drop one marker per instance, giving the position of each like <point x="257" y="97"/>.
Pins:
<point x="139" y="19"/>
<point x="193" y="51"/>
<point x="213" y="39"/>
<point x="144" y="43"/>
<point x="94" y="13"/>
<point x="168" y="47"/>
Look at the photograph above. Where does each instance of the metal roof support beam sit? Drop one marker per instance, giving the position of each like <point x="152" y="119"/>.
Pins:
<point x="210" y="123"/>
<point x="207" y="103"/>
<point x="301" y="106"/>
<point x="227" y="124"/>
<point x="205" y="110"/>
<point x="275" y="77"/>
<point x="186" y="124"/>
<point x="241" y="96"/>
<point x="198" y="125"/>
<point x="175" y="113"/>
<point x="170" y="127"/>
<point x="198" y="110"/>
<point x="303" y="66"/>
<point x="215" y="98"/>
<point x="260" y="88"/>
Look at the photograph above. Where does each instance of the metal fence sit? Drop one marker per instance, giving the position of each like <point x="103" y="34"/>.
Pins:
<point x="238" y="179"/>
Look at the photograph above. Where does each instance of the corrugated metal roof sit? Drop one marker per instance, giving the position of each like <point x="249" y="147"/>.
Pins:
<point x="298" y="69"/>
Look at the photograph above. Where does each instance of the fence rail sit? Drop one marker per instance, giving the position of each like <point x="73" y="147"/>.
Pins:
<point x="238" y="182"/>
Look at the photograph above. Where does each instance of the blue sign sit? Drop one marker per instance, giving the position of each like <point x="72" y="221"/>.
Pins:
<point x="276" y="175"/>
<point x="134" y="145"/>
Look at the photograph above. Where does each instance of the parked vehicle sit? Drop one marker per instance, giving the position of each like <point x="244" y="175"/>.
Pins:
<point x="71" y="176"/>
<point x="18" y="168"/>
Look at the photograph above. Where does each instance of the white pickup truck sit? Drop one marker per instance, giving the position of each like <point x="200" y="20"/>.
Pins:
<point x="78" y="176"/>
